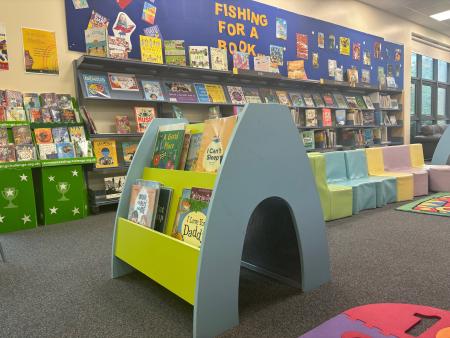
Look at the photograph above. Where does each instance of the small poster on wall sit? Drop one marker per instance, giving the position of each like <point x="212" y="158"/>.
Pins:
<point x="149" y="13"/>
<point x="4" y="64"/>
<point x="80" y="4"/>
<point x="281" y="29"/>
<point x="124" y="27"/>
<point x="320" y="40"/>
<point x="276" y="55"/>
<point x="40" y="53"/>
<point x="344" y="45"/>
<point x="302" y="46"/>
<point x="356" y="51"/>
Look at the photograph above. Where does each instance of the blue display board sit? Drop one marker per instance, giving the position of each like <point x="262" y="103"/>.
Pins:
<point x="244" y="25"/>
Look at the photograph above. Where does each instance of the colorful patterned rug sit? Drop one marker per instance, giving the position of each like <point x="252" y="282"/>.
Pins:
<point x="437" y="204"/>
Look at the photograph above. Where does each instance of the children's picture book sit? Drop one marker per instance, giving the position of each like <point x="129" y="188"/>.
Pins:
<point x="365" y="75"/>
<point x="328" y="99"/>
<point x="77" y="134"/>
<point x="83" y="148"/>
<point x="13" y="98"/>
<point x="276" y="55"/>
<point x="31" y="101"/>
<point x="4" y="139"/>
<point x="43" y="135"/>
<point x="315" y="60"/>
<point x="185" y="149"/>
<point x="2" y="113"/>
<point x="68" y="115"/>
<point x="297" y="99"/>
<point x="309" y="102"/>
<point x="152" y="90"/>
<point x="368" y="118"/>
<point x="114" y="186"/>
<point x="341" y="117"/>
<point x="268" y="95"/>
<point x="236" y="95"/>
<point x="162" y="212"/>
<point x="56" y="114"/>
<point x="46" y="115"/>
<point x="366" y="57"/>
<point x="216" y="135"/>
<point x="47" y="151"/>
<point x="283" y="98"/>
<point x="124" y="27"/>
<point x="144" y="116"/>
<point x="124" y="82"/>
<point x="22" y="135"/>
<point x="311" y="118"/>
<point x="281" y="29"/>
<point x="296" y="70"/>
<point x="25" y="152"/>
<point x="327" y="120"/>
<point x="168" y="146"/>
<point x="122" y="124"/>
<point x="96" y="41"/>
<point x="251" y="95"/>
<point x="199" y="57"/>
<point x="175" y="52"/>
<point x="180" y="92"/>
<point x="16" y="114"/>
<point x="35" y="115"/>
<point x="340" y="100"/>
<point x="153" y="31"/>
<point x="118" y="47"/>
<point x="143" y="204"/>
<point x="216" y="93"/>
<point x="377" y="50"/>
<point x="65" y="150"/>
<point x="318" y="100"/>
<point x="192" y="155"/>
<point x="98" y="20"/>
<point x="151" y="49"/>
<point x="302" y="46"/>
<point x="356" y="51"/>
<point x="352" y="76"/>
<point x="128" y="151"/>
<point x="360" y="102"/>
<point x="351" y="102"/>
<point x="105" y="153"/>
<point x="96" y="85"/>
<point x="64" y="101"/>
<point x="261" y="63"/>
<point x="241" y="60"/>
<point x="7" y="153"/>
<point x="202" y="94"/>
<point x="332" y="65"/>
<point x="320" y="40"/>
<point x="219" y="59"/>
<point x="368" y="102"/>
<point x="308" y="139"/>
<point x="80" y="4"/>
<point x="61" y="135"/>
<point x="339" y="74"/>
<point x="49" y="100"/>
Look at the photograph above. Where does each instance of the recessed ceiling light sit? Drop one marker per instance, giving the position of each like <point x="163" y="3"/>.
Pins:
<point x="441" y="16"/>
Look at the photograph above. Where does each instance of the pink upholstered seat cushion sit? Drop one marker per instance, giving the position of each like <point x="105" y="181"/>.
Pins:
<point x="396" y="157"/>
<point x="420" y="180"/>
<point x="439" y="178"/>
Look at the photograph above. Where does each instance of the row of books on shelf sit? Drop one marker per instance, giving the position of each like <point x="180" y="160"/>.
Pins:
<point x="106" y="154"/>
<point x="45" y="107"/>
<point x="151" y="201"/>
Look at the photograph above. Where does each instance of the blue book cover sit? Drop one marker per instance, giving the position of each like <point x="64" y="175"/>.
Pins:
<point x="152" y="90"/>
<point x="65" y="150"/>
<point x="60" y="135"/>
<point x="96" y="85"/>
<point x="202" y="94"/>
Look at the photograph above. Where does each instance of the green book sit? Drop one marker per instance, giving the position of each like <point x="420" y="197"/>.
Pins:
<point x="175" y="52"/>
<point x="308" y="139"/>
<point x="168" y="147"/>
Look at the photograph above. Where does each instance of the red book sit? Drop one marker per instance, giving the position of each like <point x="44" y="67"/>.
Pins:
<point x="327" y="121"/>
<point x="144" y="116"/>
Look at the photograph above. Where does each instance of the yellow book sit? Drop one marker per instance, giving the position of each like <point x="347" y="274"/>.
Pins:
<point x="105" y="153"/>
<point x="151" y="49"/>
<point x="215" y="93"/>
<point x="215" y="139"/>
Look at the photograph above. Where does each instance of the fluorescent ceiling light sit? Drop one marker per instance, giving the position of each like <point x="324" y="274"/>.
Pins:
<point x="441" y="16"/>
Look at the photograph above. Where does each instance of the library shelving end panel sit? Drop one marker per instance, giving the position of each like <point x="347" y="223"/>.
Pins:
<point x="140" y="160"/>
<point x="442" y="152"/>
<point x="265" y="213"/>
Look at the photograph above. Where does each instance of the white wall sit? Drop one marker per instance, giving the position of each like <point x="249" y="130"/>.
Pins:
<point x="50" y="15"/>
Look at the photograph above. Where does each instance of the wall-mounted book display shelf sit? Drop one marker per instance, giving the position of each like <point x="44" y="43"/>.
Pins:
<point x="245" y="222"/>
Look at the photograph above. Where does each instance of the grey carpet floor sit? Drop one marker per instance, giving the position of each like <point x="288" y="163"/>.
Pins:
<point x="57" y="281"/>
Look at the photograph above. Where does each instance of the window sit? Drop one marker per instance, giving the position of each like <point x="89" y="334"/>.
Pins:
<point x="430" y="92"/>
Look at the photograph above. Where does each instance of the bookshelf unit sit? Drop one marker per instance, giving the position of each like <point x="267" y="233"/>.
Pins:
<point x="198" y="112"/>
<point x="208" y="279"/>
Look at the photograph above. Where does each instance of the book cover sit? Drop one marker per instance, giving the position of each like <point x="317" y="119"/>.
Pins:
<point x="360" y="102"/>
<point x="368" y="118"/>
<point x="318" y="100"/>
<point x="105" y="153"/>
<point x="153" y="31"/>
<point x="96" y="41"/>
<point x="261" y="63"/>
<point x="25" y="152"/>
<point x="124" y="82"/>
<point x="199" y="57"/>
<point x="122" y="125"/>
<point x="216" y="93"/>
<point x="35" y="115"/>
<point x="16" y="114"/>
<point x="152" y="90"/>
<point x="368" y="137"/>
<point x="43" y="135"/>
<point x="236" y="95"/>
<point x="319" y="139"/>
<point x="83" y="148"/>
<point x="3" y="116"/>
<point x="368" y="102"/>
<point x="340" y="117"/>
<point x="144" y="116"/>
<point x="327" y="120"/>
<point x="281" y="29"/>
<point x="192" y="155"/>
<point x="77" y="133"/>
<point x="308" y="139"/>
<point x="309" y="102"/>
<point x="216" y="136"/>
<point x="311" y="118"/>
<point x="7" y="153"/>
<point x="46" y="115"/>
<point x="128" y="151"/>
<point x="162" y="211"/>
<point x="65" y="150"/>
<point x="168" y="146"/>
<point x="214" y="112"/>
<point x="151" y="49"/>
<point x="251" y="95"/>
<point x="22" y="135"/>
<point x="350" y="118"/>
<point x="351" y="102"/>
<point x="365" y="75"/>
<point x="268" y="95"/>
<point x="56" y="114"/>
<point x="114" y="186"/>
<point x="202" y="94"/>
<point x="143" y="201"/>
<point x="332" y="65"/>
<point x="296" y="70"/>
<point x="302" y="46"/>
<point x="352" y="76"/>
<point x="175" y="52"/>
<point x="297" y="99"/>
<point x="283" y="98"/>
<point x="219" y="59"/>
<point x="96" y="85"/>
<point x="31" y="101"/>
<point x="97" y="20"/>
<point x="339" y="74"/>
<point x="13" y="98"/>
<point x="148" y="12"/>
<point x="4" y="139"/>
<point x="68" y="115"/>
<point x="118" y="47"/>
<point x="49" y="100"/>
<point x="64" y="101"/>
<point x="328" y="99"/>
<point x="184" y="150"/>
<point x="61" y="135"/>
<point x="340" y="100"/>
<point x="180" y="92"/>
<point x="241" y="60"/>
<point x="47" y="151"/>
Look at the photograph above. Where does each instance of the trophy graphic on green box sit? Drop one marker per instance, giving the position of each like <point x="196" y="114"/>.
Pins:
<point x="10" y="194"/>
